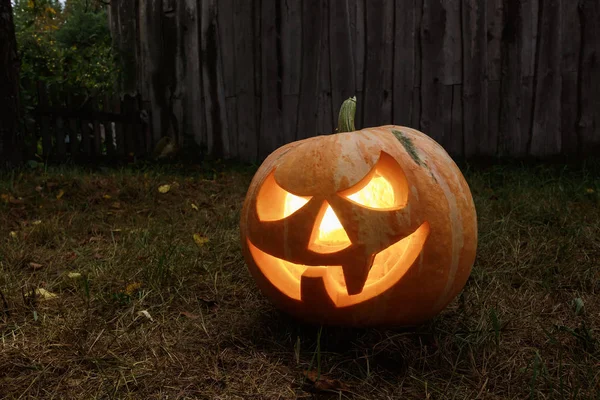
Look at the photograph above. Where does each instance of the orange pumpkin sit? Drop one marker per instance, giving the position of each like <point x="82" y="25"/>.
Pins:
<point x="360" y="228"/>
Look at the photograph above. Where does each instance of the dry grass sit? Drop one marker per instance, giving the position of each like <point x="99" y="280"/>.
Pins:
<point x="515" y="332"/>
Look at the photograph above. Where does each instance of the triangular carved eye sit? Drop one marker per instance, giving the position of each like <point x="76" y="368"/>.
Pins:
<point x="274" y="203"/>
<point x="378" y="193"/>
<point x="384" y="188"/>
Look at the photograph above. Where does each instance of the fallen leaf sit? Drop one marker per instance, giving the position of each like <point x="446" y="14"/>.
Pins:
<point x="107" y="197"/>
<point x="5" y="197"/>
<point x="322" y="383"/>
<point x="14" y="235"/>
<point x="195" y="207"/>
<point x="116" y="205"/>
<point x="35" y="266"/>
<point x="132" y="287"/>
<point x="164" y="188"/>
<point x="43" y="294"/>
<point x="74" y="275"/>
<point x="189" y="315"/>
<point x="146" y="314"/>
<point x="589" y="190"/>
<point x="39" y="188"/>
<point x="36" y="222"/>
<point x="60" y="194"/>
<point x="200" y="240"/>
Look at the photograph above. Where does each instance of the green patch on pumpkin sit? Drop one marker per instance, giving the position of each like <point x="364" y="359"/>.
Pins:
<point x="408" y="146"/>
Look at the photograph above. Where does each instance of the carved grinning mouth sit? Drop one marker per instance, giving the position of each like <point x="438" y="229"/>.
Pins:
<point x="389" y="266"/>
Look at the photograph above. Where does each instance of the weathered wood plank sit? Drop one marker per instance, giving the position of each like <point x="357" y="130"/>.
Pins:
<point x="228" y="54"/>
<point x="271" y="124"/>
<point x="494" y="26"/>
<point x="325" y="124"/>
<point x="150" y="31"/>
<point x="379" y="62"/>
<point x="417" y="75"/>
<point x="244" y="51"/>
<point x="212" y="79"/>
<point x="126" y="21"/>
<point x="452" y="139"/>
<point x="343" y="74"/>
<point x="528" y="40"/>
<point x="477" y="140"/>
<point x="589" y="80"/>
<point x="456" y="147"/>
<point x="291" y="39"/>
<point x="433" y="28"/>
<point x="358" y="24"/>
<point x="546" y="136"/>
<point x="404" y="62"/>
<point x="193" y="120"/>
<point x="312" y="16"/>
<point x="513" y="136"/>
<point x="571" y="46"/>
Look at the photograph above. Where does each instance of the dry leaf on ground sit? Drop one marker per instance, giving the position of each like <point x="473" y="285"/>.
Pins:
<point x="164" y="188"/>
<point x="323" y="383"/>
<point x="200" y="240"/>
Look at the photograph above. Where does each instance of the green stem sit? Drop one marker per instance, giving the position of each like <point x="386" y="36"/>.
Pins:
<point x="346" y="117"/>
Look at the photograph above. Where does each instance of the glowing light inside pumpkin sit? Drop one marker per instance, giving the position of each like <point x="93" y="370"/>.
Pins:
<point x="378" y="194"/>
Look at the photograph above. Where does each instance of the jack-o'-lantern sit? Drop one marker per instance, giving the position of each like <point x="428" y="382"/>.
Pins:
<point x="361" y="228"/>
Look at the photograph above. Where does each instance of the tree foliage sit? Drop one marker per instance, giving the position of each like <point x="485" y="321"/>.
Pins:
<point x="68" y="48"/>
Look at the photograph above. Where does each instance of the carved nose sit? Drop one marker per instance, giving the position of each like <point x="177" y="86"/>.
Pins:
<point x="329" y="235"/>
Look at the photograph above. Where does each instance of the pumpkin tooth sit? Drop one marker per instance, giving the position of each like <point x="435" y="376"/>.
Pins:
<point x="356" y="274"/>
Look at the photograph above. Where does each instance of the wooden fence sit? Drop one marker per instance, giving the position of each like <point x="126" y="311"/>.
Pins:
<point x="61" y="127"/>
<point x="483" y="77"/>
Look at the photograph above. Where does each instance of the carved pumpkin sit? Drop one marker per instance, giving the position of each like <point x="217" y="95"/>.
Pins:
<point x="368" y="227"/>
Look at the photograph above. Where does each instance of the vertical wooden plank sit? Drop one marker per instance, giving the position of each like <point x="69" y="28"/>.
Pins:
<point x="528" y="41"/>
<point x="312" y="11"/>
<point x="212" y="78"/>
<point x="404" y="62"/>
<point x="325" y="124"/>
<point x="379" y="63"/>
<point x="271" y="124"/>
<point x="358" y="21"/>
<point x="127" y="38"/>
<point x="433" y="28"/>
<point x="151" y="52"/>
<point x="193" y="121"/>
<point x="477" y="139"/>
<point x="589" y="78"/>
<point x="452" y="139"/>
<point x="257" y="51"/>
<point x="571" y="47"/>
<point x="494" y="26"/>
<point x="513" y="136"/>
<point x="343" y="74"/>
<point x="246" y="111"/>
<point x="546" y="135"/>
<point x="227" y="44"/>
<point x="291" y="38"/>
<point x="415" y="117"/>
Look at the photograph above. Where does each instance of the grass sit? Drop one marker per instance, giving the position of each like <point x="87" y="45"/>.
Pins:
<point x="143" y="310"/>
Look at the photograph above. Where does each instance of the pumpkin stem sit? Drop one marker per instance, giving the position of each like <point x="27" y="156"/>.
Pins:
<point x="346" y="117"/>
